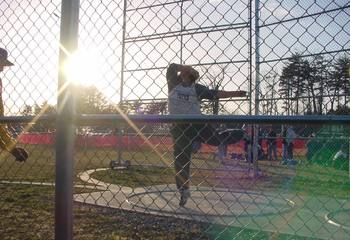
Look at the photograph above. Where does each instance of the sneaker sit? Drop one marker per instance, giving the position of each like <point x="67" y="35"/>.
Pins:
<point x="185" y="194"/>
<point x="292" y="162"/>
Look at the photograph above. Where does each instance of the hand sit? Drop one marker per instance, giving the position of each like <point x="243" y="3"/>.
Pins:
<point x="195" y="73"/>
<point x="190" y="70"/>
<point x="20" y="154"/>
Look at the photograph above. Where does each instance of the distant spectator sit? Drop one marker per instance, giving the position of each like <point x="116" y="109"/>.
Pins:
<point x="312" y="145"/>
<point x="288" y="144"/>
<point x="261" y="152"/>
<point x="272" y="145"/>
<point x="222" y="148"/>
<point x="248" y="151"/>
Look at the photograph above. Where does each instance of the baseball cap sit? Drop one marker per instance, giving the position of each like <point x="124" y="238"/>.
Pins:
<point x="3" y="58"/>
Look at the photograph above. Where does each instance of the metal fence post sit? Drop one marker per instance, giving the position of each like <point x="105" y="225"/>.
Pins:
<point x="65" y="126"/>
<point x="122" y="62"/>
<point x="257" y="88"/>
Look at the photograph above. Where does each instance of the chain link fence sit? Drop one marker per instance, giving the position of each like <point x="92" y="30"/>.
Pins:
<point x="271" y="162"/>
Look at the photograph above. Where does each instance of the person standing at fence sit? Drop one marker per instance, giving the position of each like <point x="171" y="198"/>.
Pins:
<point x="184" y="97"/>
<point x="272" y="145"/>
<point x="288" y="145"/>
<point x="6" y="141"/>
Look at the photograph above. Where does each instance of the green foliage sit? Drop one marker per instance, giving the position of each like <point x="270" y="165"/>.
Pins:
<point x="90" y="100"/>
<point x="309" y="84"/>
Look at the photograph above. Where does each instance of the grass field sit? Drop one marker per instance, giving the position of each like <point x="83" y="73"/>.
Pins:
<point x="27" y="212"/>
<point x="303" y="179"/>
<point x="303" y="183"/>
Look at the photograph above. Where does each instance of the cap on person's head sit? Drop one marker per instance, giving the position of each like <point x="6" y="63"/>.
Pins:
<point x="3" y="58"/>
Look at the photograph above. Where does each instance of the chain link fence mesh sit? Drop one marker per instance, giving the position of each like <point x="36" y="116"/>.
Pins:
<point x="279" y="181"/>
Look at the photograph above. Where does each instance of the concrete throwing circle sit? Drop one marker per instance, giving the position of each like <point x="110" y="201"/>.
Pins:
<point x="212" y="202"/>
<point x="339" y="218"/>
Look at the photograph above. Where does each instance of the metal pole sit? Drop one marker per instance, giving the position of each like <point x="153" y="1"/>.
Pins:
<point x="118" y="133"/>
<point x="250" y="41"/>
<point x="65" y="125"/>
<point x="348" y="132"/>
<point x="123" y="53"/>
<point x="257" y="88"/>
<point x="113" y="119"/>
<point x="181" y="29"/>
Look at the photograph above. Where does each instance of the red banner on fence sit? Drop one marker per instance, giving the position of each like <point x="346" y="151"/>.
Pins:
<point x="132" y="142"/>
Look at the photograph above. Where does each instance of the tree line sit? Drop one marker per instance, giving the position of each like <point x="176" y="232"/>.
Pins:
<point x="90" y="100"/>
<point x="313" y="85"/>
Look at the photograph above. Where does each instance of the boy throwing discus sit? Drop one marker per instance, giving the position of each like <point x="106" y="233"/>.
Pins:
<point x="184" y="97"/>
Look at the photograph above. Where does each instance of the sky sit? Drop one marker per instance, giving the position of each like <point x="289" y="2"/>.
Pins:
<point x="30" y="31"/>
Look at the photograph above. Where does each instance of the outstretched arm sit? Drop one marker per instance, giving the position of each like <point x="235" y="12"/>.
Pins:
<point x="231" y="94"/>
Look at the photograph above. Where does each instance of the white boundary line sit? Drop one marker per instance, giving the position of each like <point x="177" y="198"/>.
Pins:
<point x="330" y="221"/>
<point x="102" y="186"/>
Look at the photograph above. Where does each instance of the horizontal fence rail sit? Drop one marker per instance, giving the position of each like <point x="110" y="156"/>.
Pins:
<point x="90" y="119"/>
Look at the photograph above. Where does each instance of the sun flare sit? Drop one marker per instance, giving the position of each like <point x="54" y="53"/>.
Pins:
<point x="83" y="68"/>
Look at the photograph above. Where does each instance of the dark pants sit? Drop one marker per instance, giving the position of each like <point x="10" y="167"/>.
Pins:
<point x="290" y="148"/>
<point x="287" y="151"/>
<point x="183" y="137"/>
<point x="272" y="151"/>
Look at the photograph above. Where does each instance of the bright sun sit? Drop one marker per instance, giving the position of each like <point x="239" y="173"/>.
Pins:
<point x="83" y="68"/>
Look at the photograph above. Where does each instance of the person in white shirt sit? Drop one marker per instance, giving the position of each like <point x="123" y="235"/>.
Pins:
<point x="288" y="144"/>
<point x="184" y="97"/>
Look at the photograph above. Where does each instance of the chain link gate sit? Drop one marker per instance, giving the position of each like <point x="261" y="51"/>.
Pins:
<point x="288" y="178"/>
